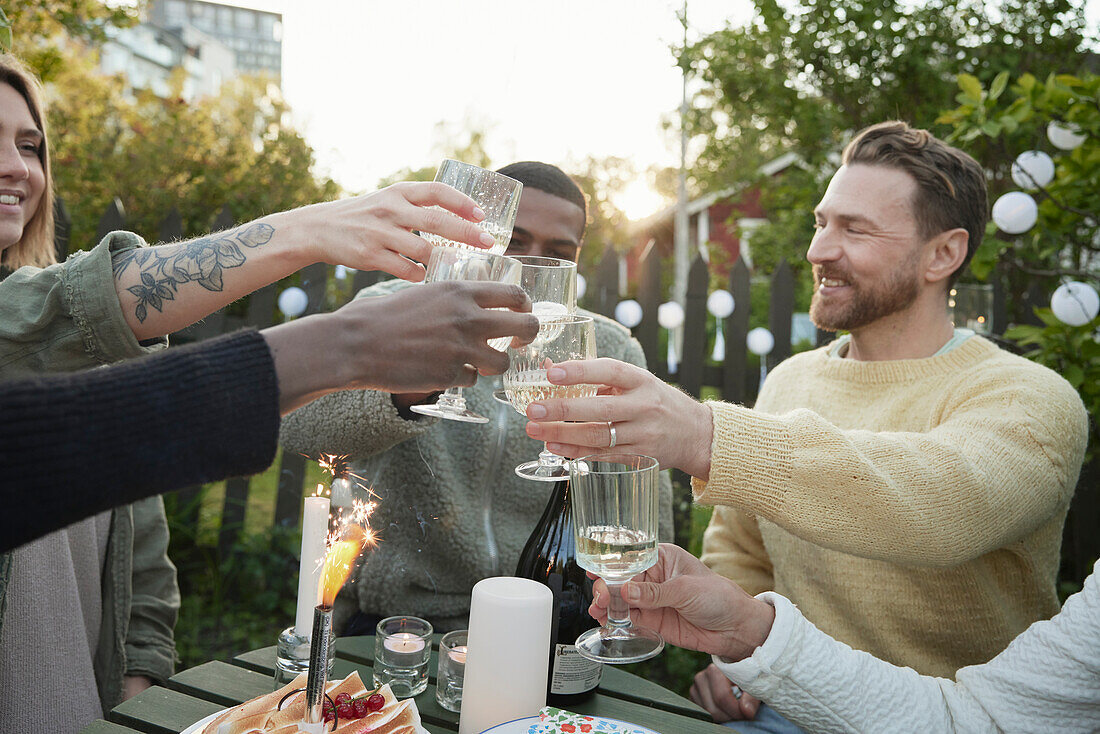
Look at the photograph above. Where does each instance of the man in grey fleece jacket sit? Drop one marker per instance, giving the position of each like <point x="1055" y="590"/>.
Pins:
<point x="452" y="510"/>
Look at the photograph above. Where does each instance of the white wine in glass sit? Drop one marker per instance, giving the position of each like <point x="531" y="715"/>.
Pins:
<point x="452" y="263"/>
<point x="497" y="195"/>
<point x="615" y="511"/>
<point x="559" y="340"/>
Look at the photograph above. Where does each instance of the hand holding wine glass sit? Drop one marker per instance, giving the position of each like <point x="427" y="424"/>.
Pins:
<point x="568" y="337"/>
<point x="615" y="524"/>
<point x="691" y="606"/>
<point x="498" y="197"/>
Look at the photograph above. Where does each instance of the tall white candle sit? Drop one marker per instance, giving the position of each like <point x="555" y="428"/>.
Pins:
<point x="508" y="649"/>
<point x="314" y="530"/>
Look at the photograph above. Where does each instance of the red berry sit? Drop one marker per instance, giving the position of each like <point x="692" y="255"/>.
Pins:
<point x="360" y="707"/>
<point x="329" y="715"/>
<point x="344" y="710"/>
<point x="342" y="698"/>
<point x="376" y="702"/>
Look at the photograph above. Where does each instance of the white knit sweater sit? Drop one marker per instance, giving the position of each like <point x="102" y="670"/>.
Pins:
<point x="1046" y="680"/>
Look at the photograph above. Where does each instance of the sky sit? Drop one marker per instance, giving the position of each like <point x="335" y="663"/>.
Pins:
<point x="557" y="81"/>
<point x="370" y="81"/>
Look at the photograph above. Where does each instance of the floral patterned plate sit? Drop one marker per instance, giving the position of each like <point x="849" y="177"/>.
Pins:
<point x="597" y="724"/>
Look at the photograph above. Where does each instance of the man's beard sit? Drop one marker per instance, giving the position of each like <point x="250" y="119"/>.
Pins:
<point x="867" y="302"/>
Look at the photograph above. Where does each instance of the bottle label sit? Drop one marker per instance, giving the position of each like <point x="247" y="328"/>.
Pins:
<point x="573" y="673"/>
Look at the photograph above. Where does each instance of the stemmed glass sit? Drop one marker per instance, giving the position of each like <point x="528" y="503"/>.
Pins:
<point x="559" y="339"/>
<point x="498" y="196"/>
<point x="551" y="284"/>
<point x="452" y="263"/>
<point x="615" y="523"/>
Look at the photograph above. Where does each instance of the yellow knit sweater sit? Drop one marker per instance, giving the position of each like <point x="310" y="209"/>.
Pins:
<point x="911" y="508"/>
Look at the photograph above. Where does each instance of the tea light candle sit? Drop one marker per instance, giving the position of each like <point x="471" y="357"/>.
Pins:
<point x="508" y="648"/>
<point x="403" y="649"/>
<point x="314" y="530"/>
<point x="458" y="654"/>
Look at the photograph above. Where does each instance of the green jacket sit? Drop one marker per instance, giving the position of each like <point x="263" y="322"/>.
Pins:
<point x="67" y="317"/>
<point x="452" y="510"/>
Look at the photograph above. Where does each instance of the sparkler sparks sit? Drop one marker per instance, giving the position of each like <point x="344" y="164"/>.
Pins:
<point x="351" y="533"/>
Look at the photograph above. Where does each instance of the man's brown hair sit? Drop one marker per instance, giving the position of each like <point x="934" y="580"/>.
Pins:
<point x="35" y="245"/>
<point x="951" y="190"/>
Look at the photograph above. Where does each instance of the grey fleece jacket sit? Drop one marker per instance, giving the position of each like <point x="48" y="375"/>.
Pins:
<point x="452" y="510"/>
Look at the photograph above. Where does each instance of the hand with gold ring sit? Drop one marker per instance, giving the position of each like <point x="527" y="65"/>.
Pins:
<point x="633" y="411"/>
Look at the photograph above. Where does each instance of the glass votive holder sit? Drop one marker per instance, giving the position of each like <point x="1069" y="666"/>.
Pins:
<point x="452" y="669"/>
<point x="402" y="646"/>
<point x="292" y="656"/>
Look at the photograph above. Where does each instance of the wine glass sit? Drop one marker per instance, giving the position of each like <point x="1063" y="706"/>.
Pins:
<point x="497" y="195"/>
<point x="551" y="285"/>
<point x="559" y="339"/>
<point x="453" y="263"/>
<point x="615" y="524"/>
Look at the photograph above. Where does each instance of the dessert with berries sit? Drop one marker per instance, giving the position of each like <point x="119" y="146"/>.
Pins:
<point x="350" y="708"/>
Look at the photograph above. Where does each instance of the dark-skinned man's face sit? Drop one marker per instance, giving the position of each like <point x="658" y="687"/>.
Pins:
<point x="546" y="226"/>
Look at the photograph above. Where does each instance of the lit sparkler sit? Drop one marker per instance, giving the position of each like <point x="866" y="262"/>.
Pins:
<point x="351" y="535"/>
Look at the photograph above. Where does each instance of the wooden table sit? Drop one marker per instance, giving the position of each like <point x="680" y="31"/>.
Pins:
<point x="196" y="693"/>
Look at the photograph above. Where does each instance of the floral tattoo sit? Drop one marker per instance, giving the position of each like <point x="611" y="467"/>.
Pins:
<point x="202" y="261"/>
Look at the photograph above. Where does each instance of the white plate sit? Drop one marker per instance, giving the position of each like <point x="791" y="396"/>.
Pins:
<point x="198" y="725"/>
<point x="532" y="725"/>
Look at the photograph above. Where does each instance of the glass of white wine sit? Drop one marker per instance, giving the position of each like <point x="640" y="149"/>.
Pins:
<point x="559" y="339"/>
<point x="497" y="195"/>
<point x="615" y="524"/>
<point x="551" y="284"/>
<point x="453" y="263"/>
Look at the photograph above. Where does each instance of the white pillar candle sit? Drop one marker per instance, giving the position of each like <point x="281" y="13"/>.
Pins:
<point x="314" y="530"/>
<point x="508" y="649"/>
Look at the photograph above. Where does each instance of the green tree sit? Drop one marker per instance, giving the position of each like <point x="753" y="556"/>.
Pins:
<point x="42" y="29"/>
<point x="999" y="123"/>
<point x="157" y="153"/>
<point x="802" y="78"/>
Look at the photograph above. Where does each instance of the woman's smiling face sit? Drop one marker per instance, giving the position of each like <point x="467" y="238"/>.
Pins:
<point x="22" y="178"/>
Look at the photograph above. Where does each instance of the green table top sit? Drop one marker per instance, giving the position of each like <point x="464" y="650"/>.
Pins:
<point x="196" y="693"/>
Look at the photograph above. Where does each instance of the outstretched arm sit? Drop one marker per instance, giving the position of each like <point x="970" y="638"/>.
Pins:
<point x="165" y="288"/>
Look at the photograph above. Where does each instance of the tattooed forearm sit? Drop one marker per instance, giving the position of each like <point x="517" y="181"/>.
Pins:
<point x="163" y="269"/>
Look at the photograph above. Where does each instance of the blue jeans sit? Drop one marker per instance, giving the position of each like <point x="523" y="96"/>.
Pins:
<point x="767" y="721"/>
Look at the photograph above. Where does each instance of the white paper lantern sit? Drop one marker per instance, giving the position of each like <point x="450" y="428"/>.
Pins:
<point x="1064" y="136"/>
<point x="1075" y="303"/>
<point x="1015" y="212"/>
<point x="760" y="341"/>
<point x="670" y="315"/>
<point x="293" y="301"/>
<point x="1032" y="169"/>
<point x="582" y="285"/>
<point x="628" y="313"/>
<point x="720" y="303"/>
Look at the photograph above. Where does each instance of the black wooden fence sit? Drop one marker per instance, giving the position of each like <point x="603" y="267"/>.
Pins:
<point x="732" y="379"/>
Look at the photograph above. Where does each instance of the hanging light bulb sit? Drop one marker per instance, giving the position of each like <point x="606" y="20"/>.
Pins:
<point x="1064" y="136"/>
<point x="1075" y="303"/>
<point x="293" y="301"/>
<point x="760" y="341"/>
<point x="1015" y="212"/>
<point x="720" y="304"/>
<point x="1033" y="169"/>
<point x="628" y="313"/>
<point x="670" y="315"/>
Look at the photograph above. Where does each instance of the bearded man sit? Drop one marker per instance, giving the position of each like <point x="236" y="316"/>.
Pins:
<point x="905" y="486"/>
